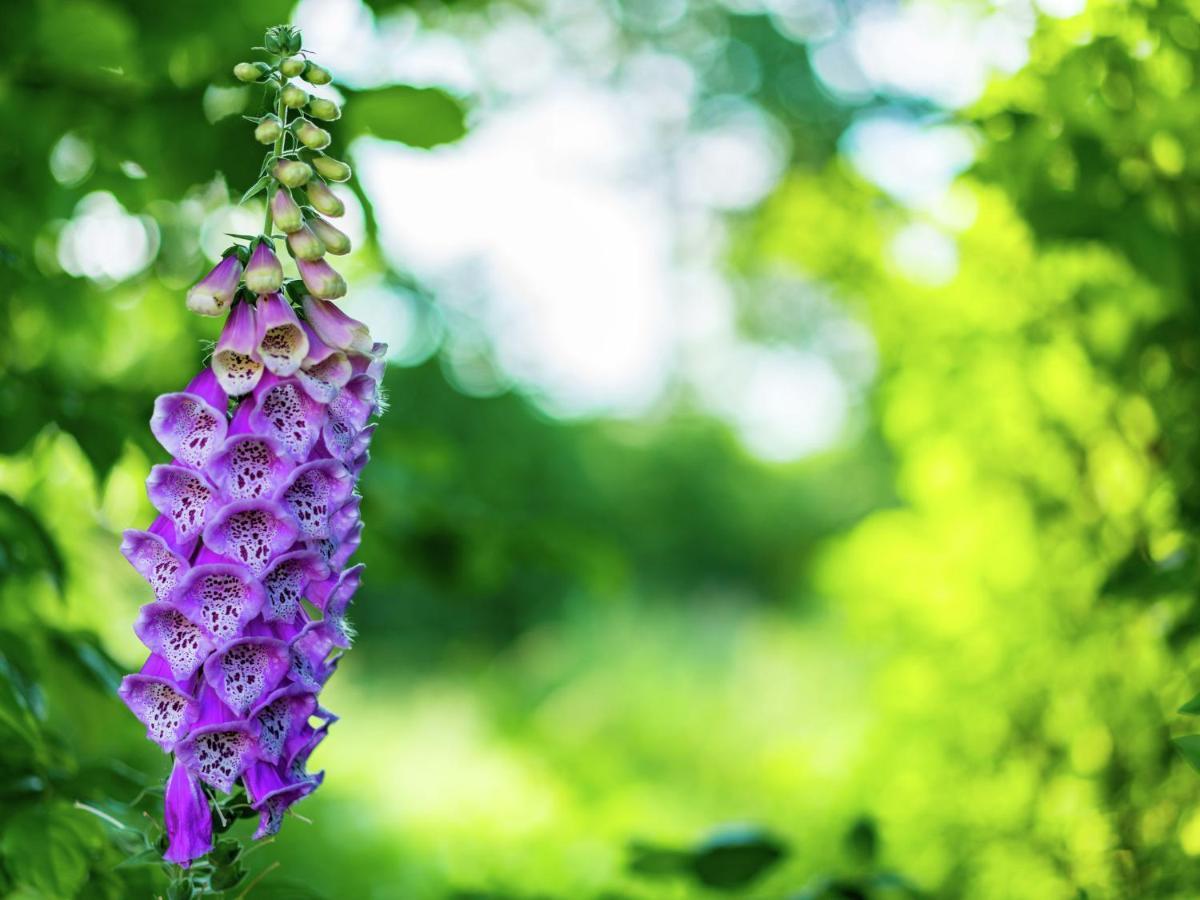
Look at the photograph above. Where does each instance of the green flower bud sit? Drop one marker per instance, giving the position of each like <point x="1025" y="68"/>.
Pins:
<point x="331" y="169"/>
<point x="247" y="72"/>
<point x="334" y="240"/>
<point x="323" y="199"/>
<point x="305" y="245"/>
<point x="285" y="212"/>
<point x="293" y="97"/>
<point x="294" y="41"/>
<point x="273" y="43"/>
<point x="324" y="109"/>
<point x="291" y="67"/>
<point x="314" y="74"/>
<point x="268" y="130"/>
<point x="311" y="136"/>
<point x="291" y="172"/>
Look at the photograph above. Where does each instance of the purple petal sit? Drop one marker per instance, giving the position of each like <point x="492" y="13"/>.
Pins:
<point x="283" y="344"/>
<point x="221" y="598"/>
<point x="188" y="427"/>
<point x="184" y="496"/>
<point x="287" y="580"/>
<point x="187" y="817"/>
<point x="335" y="328"/>
<point x="164" y="709"/>
<point x="249" y="466"/>
<point x="235" y="359"/>
<point x="251" y="532"/>
<point x="154" y="560"/>
<point x="322" y="280"/>
<point x="167" y="632"/>
<point x="272" y="795"/>
<point x="285" y="412"/>
<point x="278" y="716"/>
<point x="246" y="671"/>
<point x="218" y="754"/>
<point x="313" y="492"/>
<point x="308" y="656"/>
<point x="214" y="292"/>
<point x="213" y="710"/>
<point x="334" y="599"/>
<point x="348" y="413"/>
<point x="323" y="380"/>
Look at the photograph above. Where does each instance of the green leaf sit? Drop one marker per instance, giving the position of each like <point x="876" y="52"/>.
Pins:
<point x="45" y="849"/>
<point x="148" y="857"/>
<point x="419" y="117"/>
<point x="732" y="858"/>
<point x="652" y="861"/>
<point x="1192" y="707"/>
<point x="1189" y="747"/>
<point x="89" y="659"/>
<point x="257" y="188"/>
<point x="25" y="544"/>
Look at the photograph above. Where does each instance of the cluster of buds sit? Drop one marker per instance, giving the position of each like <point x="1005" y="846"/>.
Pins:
<point x="249" y="557"/>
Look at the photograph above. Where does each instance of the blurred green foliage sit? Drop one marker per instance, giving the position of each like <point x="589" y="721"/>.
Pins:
<point x="942" y="661"/>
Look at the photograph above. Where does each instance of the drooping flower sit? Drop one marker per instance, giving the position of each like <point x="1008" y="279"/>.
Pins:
<point x="321" y="279"/>
<point x="214" y="292"/>
<point x="304" y="244"/>
<point x="264" y="274"/>
<point x="323" y="199"/>
<point x="335" y="241"/>
<point x="248" y="560"/>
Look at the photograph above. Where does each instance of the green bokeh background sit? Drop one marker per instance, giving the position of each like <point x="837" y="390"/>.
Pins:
<point x="943" y="657"/>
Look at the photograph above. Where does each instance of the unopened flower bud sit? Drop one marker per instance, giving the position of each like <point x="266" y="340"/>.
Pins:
<point x="250" y="72"/>
<point x="335" y="328"/>
<point x="334" y="240"/>
<point x="291" y="172"/>
<point x="305" y="244"/>
<point x="314" y="74"/>
<point x="285" y="213"/>
<point x="268" y="130"/>
<point x="291" y="67"/>
<point x="324" y="200"/>
<point x="212" y="295"/>
<point x="324" y="109"/>
<point x="311" y="136"/>
<point x="321" y="279"/>
<point x="264" y="274"/>
<point x="331" y="169"/>
<point x="293" y="97"/>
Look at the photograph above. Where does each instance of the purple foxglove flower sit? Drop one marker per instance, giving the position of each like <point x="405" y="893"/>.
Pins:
<point x="284" y="411"/>
<point x="246" y="670"/>
<point x="182" y="495"/>
<point x="335" y="600"/>
<point x="264" y="274"/>
<point x="235" y="361"/>
<point x="169" y="634"/>
<point x="335" y="241"/>
<point x="278" y="716"/>
<point x="321" y="279"/>
<point x="251" y="532"/>
<point x="218" y="754"/>
<point x="272" y="795"/>
<point x="189" y="426"/>
<point x="284" y="343"/>
<point x="287" y="581"/>
<point x="285" y="212"/>
<point x="348" y="413"/>
<point x="324" y="370"/>
<point x="323" y="199"/>
<point x="221" y="598"/>
<point x="188" y="818"/>
<point x="313" y="493"/>
<point x="161" y="706"/>
<point x="213" y="293"/>
<point x="155" y="560"/>
<point x="248" y="466"/>
<point x="305" y="245"/>
<point x="336" y="328"/>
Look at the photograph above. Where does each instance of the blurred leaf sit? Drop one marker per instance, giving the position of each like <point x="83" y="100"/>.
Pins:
<point x="1189" y="747"/>
<point x="1192" y="707"/>
<point x="862" y="840"/>
<point x="25" y="545"/>
<point x="89" y="659"/>
<point x="419" y="117"/>
<point x="733" y="858"/>
<point x="45" y="849"/>
<point x="652" y="861"/>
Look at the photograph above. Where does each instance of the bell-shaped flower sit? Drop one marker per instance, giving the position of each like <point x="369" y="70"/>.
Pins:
<point x="235" y="361"/>
<point x="305" y="245"/>
<point x="171" y="635"/>
<point x="285" y="212"/>
<point x="264" y="274"/>
<point x="251" y="532"/>
<point x="278" y="716"/>
<point x="273" y="794"/>
<point x="313" y="492"/>
<point x="161" y="706"/>
<point x="248" y="466"/>
<point x="221" y="598"/>
<point x="334" y="327"/>
<point x="284" y="343"/>
<point x="284" y="411"/>
<point x="321" y="279"/>
<point x="218" y="754"/>
<point x="155" y="560"/>
<point x="324" y="370"/>
<point x="247" y="670"/>
<point x="335" y="241"/>
<point x="286" y="582"/>
<point x="189" y="425"/>
<point x="184" y="496"/>
<point x="213" y="293"/>
<point x="187" y="817"/>
<point x="323" y="199"/>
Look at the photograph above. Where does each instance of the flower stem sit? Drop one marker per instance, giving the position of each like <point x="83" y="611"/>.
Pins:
<point x="282" y="112"/>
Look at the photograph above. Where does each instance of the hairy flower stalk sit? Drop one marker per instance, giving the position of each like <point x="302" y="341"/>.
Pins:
<point x="257" y="507"/>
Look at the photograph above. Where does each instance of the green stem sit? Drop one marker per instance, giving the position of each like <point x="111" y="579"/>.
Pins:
<point x="282" y="112"/>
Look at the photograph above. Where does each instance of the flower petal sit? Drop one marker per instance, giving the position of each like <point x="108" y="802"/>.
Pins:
<point x="188" y="427"/>
<point x="221" y="598"/>
<point x="164" y="709"/>
<point x="187" y="817"/>
<point x="169" y="633"/>
<point x="218" y="754"/>
<point x="283" y="343"/>
<point x="286" y="582"/>
<point x="313" y="492"/>
<point x="246" y="671"/>
<point x="286" y="413"/>
<point x="249" y="466"/>
<point x="184" y="496"/>
<point x="278" y="716"/>
<point x="251" y="532"/>
<point x="154" y="560"/>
